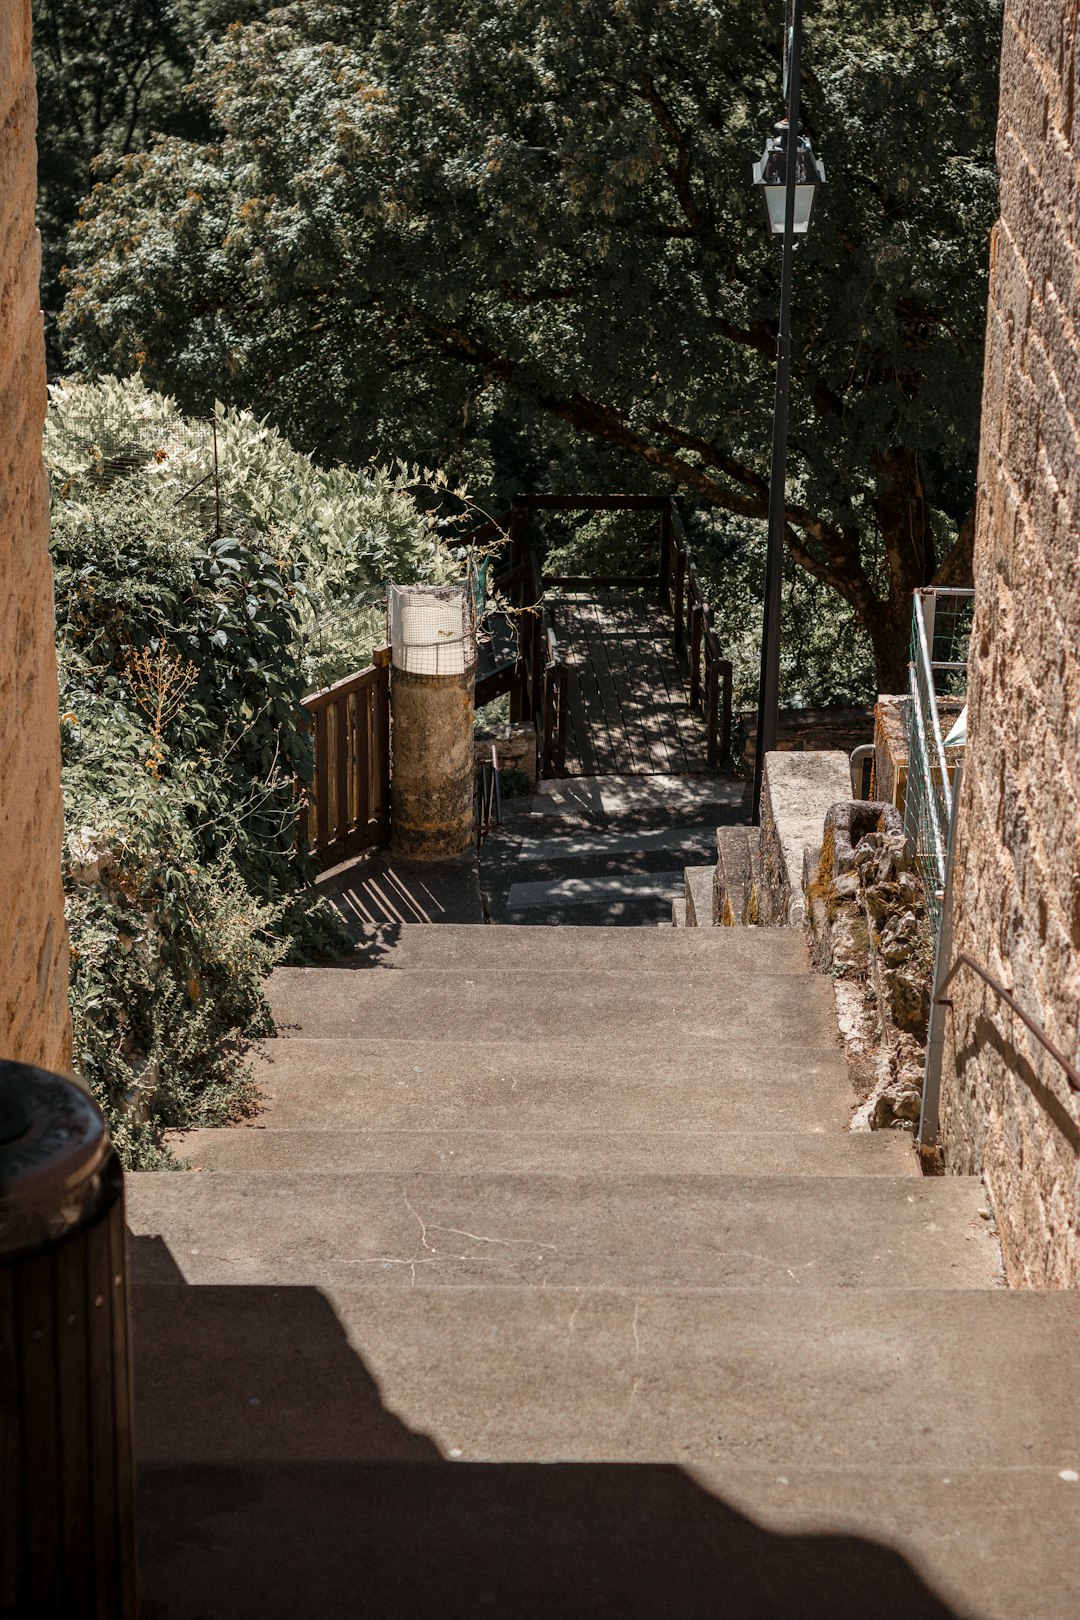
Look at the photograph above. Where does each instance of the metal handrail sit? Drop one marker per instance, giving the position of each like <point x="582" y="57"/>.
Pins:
<point x="926" y="673"/>
<point x="1072" y="1073"/>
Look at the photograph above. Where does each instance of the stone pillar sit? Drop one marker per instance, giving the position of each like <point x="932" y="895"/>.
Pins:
<point x="34" y="1020"/>
<point x="432" y="681"/>
<point x="431" y="779"/>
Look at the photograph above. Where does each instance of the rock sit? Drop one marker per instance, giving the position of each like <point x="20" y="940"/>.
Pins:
<point x="909" y="998"/>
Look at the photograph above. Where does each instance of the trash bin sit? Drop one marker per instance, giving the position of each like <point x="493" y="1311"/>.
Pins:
<point x="67" y="1542"/>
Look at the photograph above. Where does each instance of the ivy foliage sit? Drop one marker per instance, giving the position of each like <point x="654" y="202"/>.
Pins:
<point x="184" y="654"/>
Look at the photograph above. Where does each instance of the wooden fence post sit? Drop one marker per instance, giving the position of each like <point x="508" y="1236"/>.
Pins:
<point x="664" y="576"/>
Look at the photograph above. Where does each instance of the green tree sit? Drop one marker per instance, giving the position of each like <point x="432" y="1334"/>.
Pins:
<point x="452" y="222"/>
<point x="110" y="75"/>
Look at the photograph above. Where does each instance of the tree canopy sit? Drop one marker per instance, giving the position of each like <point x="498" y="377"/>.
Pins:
<point x="431" y="225"/>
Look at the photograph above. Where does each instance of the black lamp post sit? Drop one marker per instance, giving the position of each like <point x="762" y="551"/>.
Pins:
<point x="789" y="175"/>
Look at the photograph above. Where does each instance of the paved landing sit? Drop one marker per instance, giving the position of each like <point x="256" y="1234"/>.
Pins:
<point x="604" y="850"/>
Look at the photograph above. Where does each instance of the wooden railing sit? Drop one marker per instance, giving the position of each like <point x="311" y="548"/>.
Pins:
<point x="695" y="634"/>
<point x="348" y="800"/>
<point x="536" y="678"/>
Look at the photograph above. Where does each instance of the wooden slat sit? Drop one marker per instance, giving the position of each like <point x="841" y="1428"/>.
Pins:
<point x="341" y="765"/>
<point x="322" y="779"/>
<point x="665" y="752"/>
<point x="103" y="1475"/>
<point x="635" y="680"/>
<point x="124" y="1406"/>
<point x="365" y="787"/>
<point x="73" y="1390"/>
<point x="380" y="735"/>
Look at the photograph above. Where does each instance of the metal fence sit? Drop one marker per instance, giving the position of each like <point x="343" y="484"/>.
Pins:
<point x="940" y="631"/>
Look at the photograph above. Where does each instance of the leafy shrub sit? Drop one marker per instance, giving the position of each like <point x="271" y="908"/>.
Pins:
<point x="184" y="654"/>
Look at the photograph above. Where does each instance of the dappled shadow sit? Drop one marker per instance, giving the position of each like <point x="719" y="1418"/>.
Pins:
<point x="276" y="1485"/>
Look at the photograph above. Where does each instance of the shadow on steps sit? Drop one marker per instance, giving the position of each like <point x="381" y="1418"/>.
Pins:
<point x="442" y="1541"/>
<point x="342" y="1510"/>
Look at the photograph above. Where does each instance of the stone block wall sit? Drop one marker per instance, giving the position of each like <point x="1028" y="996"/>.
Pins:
<point x="34" y="1024"/>
<point x="1007" y="1110"/>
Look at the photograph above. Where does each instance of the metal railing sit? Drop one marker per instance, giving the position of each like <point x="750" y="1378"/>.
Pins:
<point x="941" y="625"/>
<point x="929" y="1118"/>
<point x="488" y="797"/>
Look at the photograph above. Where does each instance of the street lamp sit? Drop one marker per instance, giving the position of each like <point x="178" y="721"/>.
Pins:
<point x="770" y="173"/>
<point x="789" y="175"/>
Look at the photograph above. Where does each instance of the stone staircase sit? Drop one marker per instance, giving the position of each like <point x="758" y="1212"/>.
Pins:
<point x="549" y="1283"/>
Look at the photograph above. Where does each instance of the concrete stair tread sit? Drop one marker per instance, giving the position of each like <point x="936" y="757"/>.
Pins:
<point x="623" y="798"/>
<point x="565" y="1085"/>
<point x="624" y="898"/>
<point x="585" y="1004"/>
<point x="402" y="1230"/>
<point x="592" y="1541"/>
<point x="447" y="945"/>
<point x="591" y="845"/>
<point x="782" y="1380"/>
<point x="265" y="1150"/>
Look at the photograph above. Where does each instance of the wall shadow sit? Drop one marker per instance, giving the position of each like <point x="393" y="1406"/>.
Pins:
<point x="986" y="1033"/>
<point x="276" y="1485"/>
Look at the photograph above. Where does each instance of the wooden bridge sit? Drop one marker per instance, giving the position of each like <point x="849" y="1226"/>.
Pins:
<point x="621" y="675"/>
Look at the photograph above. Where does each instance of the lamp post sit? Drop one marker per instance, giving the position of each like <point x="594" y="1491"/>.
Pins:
<point x="789" y="175"/>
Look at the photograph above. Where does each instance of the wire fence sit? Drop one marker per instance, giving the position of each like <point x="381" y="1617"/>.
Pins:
<point x="93" y="444"/>
<point x="940" y="633"/>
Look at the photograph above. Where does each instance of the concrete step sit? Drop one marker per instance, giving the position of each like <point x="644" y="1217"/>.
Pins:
<point x="615" y="849"/>
<point x="800" y="1379"/>
<point x="263" y="1149"/>
<point x="626" y="900"/>
<point x="405" y="1230"/>
<point x="700" y="891"/>
<point x="588" y="1005"/>
<point x="565" y="1086"/>
<point x="771" y="951"/>
<point x="590" y="1541"/>
<point x="678" y="913"/>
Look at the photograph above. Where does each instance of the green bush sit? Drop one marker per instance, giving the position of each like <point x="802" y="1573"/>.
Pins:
<point x="184" y="653"/>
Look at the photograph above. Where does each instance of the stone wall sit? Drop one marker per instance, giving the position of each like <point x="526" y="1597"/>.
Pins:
<point x="1007" y="1111"/>
<point x="34" y="1024"/>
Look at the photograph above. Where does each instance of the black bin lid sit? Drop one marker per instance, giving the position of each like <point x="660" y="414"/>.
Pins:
<point x="54" y="1150"/>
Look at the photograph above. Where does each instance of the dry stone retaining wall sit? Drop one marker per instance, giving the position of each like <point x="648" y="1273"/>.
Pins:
<point x="1007" y="1111"/>
<point x="34" y="1025"/>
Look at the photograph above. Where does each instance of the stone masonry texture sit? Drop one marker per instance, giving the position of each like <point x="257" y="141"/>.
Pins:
<point x="1007" y="1109"/>
<point x="34" y="1022"/>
